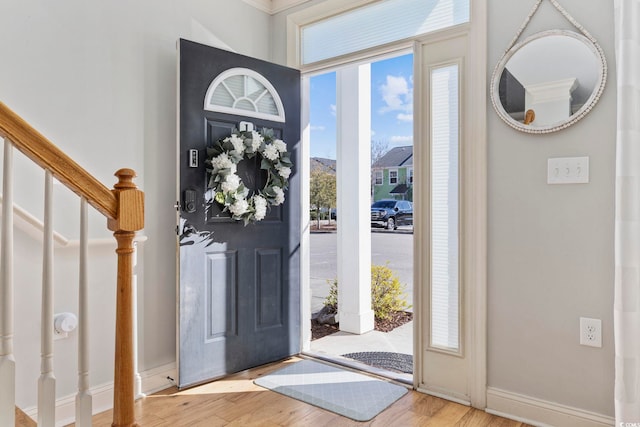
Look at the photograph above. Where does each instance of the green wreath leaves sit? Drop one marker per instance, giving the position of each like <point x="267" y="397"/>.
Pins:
<point x="226" y="186"/>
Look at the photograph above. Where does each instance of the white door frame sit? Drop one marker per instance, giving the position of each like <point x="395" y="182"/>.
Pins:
<point x="474" y="161"/>
<point x="470" y="362"/>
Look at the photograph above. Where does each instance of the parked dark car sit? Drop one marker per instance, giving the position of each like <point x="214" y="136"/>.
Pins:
<point x="391" y="213"/>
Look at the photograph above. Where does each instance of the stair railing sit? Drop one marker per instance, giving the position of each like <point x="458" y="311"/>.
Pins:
<point x="123" y="206"/>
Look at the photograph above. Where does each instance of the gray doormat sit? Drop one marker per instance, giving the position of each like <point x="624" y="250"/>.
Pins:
<point x="347" y="393"/>
<point x="397" y="362"/>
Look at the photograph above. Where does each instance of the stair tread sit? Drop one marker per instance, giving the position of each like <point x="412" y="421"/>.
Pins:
<point x="23" y="420"/>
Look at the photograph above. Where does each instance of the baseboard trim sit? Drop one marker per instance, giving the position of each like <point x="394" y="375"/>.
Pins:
<point x="153" y="380"/>
<point x="539" y="412"/>
<point x="101" y="400"/>
<point x="159" y="378"/>
<point x="444" y="394"/>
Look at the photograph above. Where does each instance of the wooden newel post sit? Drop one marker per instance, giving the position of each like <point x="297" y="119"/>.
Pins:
<point x="130" y="219"/>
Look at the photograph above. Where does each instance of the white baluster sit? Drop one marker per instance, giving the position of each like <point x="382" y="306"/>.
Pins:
<point x="47" y="381"/>
<point x="83" y="398"/>
<point x="7" y="362"/>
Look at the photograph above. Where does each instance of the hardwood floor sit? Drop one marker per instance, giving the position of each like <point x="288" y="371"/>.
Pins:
<point x="236" y="401"/>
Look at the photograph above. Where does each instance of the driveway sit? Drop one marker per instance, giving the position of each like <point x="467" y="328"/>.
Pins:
<point x="392" y="247"/>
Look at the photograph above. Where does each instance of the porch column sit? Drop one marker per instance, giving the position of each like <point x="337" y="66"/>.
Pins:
<point x="354" y="191"/>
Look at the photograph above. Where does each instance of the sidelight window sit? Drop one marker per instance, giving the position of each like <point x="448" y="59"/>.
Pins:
<point x="445" y="285"/>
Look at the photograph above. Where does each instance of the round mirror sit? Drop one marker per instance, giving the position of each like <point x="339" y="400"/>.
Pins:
<point x="548" y="81"/>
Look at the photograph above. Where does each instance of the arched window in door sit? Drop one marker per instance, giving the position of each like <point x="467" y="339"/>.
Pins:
<point x="244" y="92"/>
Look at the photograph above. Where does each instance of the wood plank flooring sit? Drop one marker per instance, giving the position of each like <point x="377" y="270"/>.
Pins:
<point x="236" y="401"/>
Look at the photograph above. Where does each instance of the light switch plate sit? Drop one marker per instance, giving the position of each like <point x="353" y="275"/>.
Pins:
<point x="568" y="170"/>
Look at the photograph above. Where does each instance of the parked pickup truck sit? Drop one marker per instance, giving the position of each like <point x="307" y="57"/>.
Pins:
<point x="391" y="213"/>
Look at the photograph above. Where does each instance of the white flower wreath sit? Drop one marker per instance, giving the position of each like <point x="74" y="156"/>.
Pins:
<point x="227" y="187"/>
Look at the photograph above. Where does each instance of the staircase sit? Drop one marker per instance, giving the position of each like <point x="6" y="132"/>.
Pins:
<point x="123" y="207"/>
<point x="23" y="420"/>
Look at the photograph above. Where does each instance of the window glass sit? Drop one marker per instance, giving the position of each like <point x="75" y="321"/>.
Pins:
<point x="377" y="24"/>
<point x="393" y="177"/>
<point x="378" y="179"/>
<point x="244" y="92"/>
<point x="445" y="295"/>
<point x="384" y="204"/>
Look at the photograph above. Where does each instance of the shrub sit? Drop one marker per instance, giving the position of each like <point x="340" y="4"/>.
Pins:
<point x="331" y="301"/>
<point x="386" y="293"/>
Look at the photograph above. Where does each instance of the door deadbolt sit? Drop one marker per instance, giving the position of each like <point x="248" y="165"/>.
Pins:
<point x="189" y="201"/>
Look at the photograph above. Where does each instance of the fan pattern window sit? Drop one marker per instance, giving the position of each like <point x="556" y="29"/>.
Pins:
<point x="244" y="92"/>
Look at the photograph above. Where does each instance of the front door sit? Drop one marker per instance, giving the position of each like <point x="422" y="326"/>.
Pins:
<point x="239" y="285"/>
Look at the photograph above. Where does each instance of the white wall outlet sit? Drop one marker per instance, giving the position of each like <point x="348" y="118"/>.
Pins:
<point x="590" y="332"/>
<point x="568" y="170"/>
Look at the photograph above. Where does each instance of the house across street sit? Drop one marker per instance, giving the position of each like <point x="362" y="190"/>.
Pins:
<point x="393" y="175"/>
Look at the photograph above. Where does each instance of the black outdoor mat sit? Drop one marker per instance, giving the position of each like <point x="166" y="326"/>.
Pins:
<point x="397" y="362"/>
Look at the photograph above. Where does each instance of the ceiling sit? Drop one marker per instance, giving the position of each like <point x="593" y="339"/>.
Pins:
<point x="274" y="6"/>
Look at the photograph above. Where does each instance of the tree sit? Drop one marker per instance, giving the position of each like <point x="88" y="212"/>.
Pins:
<point x="322" y="191"/>
<point x="378" y="149"/>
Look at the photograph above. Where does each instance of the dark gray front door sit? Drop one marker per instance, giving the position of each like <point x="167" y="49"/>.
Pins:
<point x="239" y="286"/>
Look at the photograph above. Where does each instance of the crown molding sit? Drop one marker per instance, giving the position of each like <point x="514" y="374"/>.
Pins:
<point x="274" y="6"/>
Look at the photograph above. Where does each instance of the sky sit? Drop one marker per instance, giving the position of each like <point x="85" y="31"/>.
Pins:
<point x="391" y="106"/>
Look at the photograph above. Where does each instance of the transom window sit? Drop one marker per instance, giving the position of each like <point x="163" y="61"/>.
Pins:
<point x="244" y="92"/>
<point x="376" y="24"/>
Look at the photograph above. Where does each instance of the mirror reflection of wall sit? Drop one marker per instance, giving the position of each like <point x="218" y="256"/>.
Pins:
<point x="552" y="76"/>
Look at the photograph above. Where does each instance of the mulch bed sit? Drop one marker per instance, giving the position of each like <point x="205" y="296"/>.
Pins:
<point x="319" y="330"/>
<point x="323" y="227"/>
<point x="399" y="318"/>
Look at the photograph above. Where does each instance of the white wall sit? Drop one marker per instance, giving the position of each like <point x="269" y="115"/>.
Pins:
<point x="28" y="279"/>
<point x="551" y="246"/>
<point x="99" y="80"/>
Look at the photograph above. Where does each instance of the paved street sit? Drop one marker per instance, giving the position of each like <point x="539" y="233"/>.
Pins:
<point x="396" y="248"/>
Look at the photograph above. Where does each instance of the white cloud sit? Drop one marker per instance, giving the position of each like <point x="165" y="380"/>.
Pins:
<point x="333" y="109"/>
<point x="394" y="91"/>
<point x="397" y="94"/>
<point x="373" y="132"/>
<point x="405" y="117"/>
<point x="401" y="139"/>
<point x="318" y="128"/>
